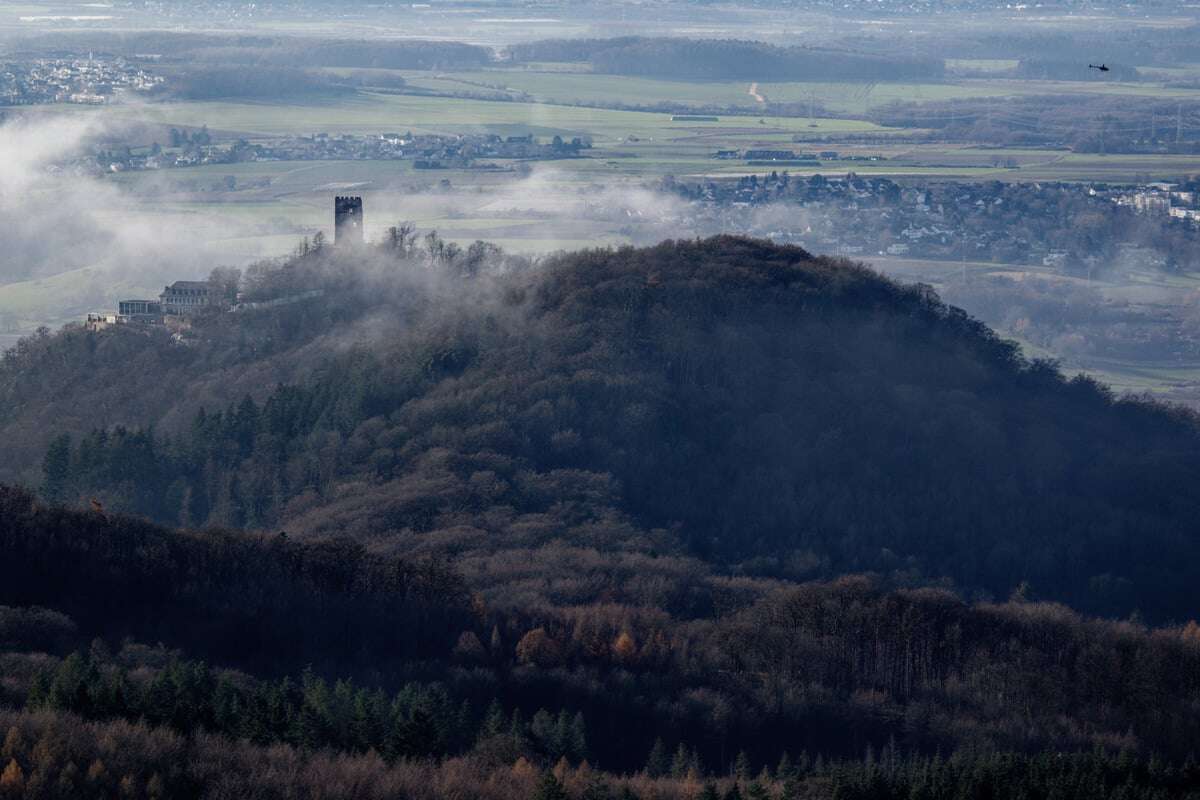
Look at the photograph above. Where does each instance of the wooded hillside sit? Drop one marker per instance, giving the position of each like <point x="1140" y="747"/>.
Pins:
<point x="748" y="405"/>
<point x="616" y="507"/>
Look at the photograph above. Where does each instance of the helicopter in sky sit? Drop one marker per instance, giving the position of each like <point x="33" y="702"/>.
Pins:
<point x="1101" y="67"/>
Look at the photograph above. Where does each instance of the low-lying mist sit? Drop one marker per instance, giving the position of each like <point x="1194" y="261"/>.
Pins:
<point x="79" y="240"/>
<point x="94" y="237"/>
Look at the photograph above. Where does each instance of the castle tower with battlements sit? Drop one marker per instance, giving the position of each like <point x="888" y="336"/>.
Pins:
<point x="347" y="221"/>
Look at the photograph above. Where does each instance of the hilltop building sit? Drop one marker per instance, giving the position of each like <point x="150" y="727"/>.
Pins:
<point x="140" y="309"/>
<point x="99" y="320"/>
<point x="183" y="297"/>
<point x="347" y="221"/>
<point x="1152" y="202"/>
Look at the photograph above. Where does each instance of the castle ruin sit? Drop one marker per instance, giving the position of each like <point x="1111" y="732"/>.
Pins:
<point x="347" y="221"/>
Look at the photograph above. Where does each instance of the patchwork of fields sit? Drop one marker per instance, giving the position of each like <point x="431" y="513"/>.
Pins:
<point x="376" y="112"/>
<point x="552" y="85"/>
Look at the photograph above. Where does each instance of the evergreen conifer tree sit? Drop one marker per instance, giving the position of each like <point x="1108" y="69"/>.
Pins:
<point x="493" y="721"/>
<point x="56" y="468"/>
<point x="658" y="762"/>
<point x="549" y="788"/>
<point x="741" y="767"/>
<point x="679" y="764"/>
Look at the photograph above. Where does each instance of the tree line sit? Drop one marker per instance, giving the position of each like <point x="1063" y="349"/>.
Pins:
<point x="826" y="668"/>
<point x="56" y="755"/>
<point x="418" y="721"/>
<point x="255" y="600"/>
<point x="726" y="59"/>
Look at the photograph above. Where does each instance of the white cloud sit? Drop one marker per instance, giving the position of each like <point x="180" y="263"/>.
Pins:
<point x="56" y="221"/>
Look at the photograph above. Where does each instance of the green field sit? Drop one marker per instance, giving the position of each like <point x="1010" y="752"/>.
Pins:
<point x="374" y="112"/>
<point x="684" y="157"/>
<point x="991" y="65"/>
<point x="585" y="88"/>
<point x="1114" y="168"/>
<point x="560" y="86"/>
<point x="566" y="87"/>
<point x="59" y="298"/>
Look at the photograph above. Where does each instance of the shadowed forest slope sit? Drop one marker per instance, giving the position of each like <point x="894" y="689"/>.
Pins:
<point x="556" y="429"/>
<point x="361" y="653"/>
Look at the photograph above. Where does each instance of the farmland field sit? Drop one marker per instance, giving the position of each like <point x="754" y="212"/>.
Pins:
<point x="374" y="112"/>
<point x="852" y="98"/>
<point x="563" y="87"/>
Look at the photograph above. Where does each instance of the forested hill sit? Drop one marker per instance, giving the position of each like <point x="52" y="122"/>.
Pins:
<point x="589" y="428"/>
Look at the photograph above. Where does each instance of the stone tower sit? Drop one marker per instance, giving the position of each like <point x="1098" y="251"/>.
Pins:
<point x="347" y="220"/>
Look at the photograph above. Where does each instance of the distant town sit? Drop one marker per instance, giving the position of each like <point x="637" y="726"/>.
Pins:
<point x="1069" y="226"/>
<point x="87" y="81"/>
<point x="425" y="151"/>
